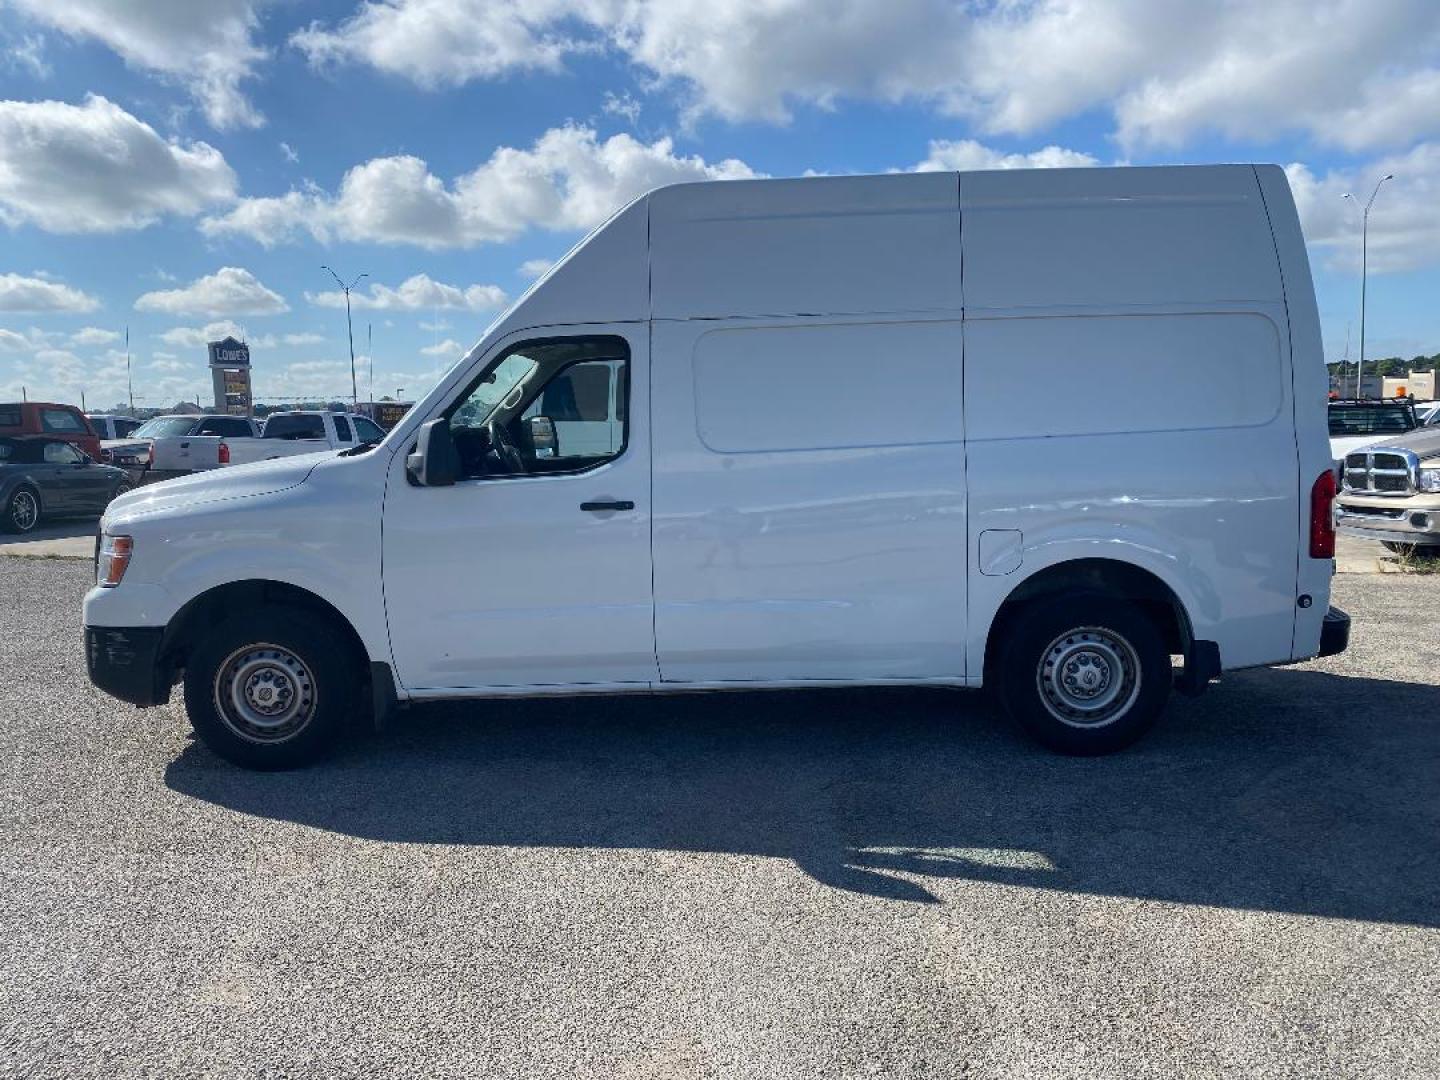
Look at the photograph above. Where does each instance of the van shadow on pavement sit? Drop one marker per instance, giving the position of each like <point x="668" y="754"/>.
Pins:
<point x="1279" y="790"/>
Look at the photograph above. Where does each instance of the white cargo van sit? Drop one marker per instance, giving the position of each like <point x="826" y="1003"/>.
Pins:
<point x="908" y="429"/>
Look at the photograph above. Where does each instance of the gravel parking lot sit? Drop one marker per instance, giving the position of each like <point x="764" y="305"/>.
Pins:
<point x="787" y="885"/>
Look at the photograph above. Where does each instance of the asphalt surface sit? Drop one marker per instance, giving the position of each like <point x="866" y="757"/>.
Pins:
<point x="787" y="885"/>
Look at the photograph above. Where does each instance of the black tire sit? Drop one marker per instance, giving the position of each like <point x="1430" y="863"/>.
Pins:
<point x="1056" y="673"/>
<point x="314" y="701"/>
<point x="22" y="511"/>
<point x="1405" y="551"/>
<point x="122" y="488"/>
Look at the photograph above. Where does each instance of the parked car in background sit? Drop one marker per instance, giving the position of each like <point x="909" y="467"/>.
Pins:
<point x="113" y="427"/>
<point x="48" y="418"/>
<point x="1427" y="412"/>
<point x="44" y="476"/>
<point x="289" y="434"/>
<point x="167" y="446"/>
<point x="1355" y="423"/>
<point x="848" y="496"/>
<point x="1391" y="492"/>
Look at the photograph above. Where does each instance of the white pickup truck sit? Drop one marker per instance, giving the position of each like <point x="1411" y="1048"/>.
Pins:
<point x="166" y="446"/>
<point x="288" y="434"/>
<point x="170" y="446"/>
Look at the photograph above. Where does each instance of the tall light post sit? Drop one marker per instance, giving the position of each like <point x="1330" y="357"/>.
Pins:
<point x="1364" y="273"/>
<point x="350" y="330"/>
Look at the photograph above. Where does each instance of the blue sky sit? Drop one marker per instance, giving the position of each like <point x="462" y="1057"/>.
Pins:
<point x="184" y="167"/>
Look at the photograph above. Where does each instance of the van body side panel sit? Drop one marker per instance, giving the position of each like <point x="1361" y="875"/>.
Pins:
<point x="1128" y="392"/>
<point x="818" y="246"/>
<point x="809" y="500"/>
<point x="1309" y="379"/>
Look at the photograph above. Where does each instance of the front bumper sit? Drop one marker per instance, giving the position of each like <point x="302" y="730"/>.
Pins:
<point x="1397" y="524"/>
<point x="1334" y="632"/>
<point x="124" y="662"/>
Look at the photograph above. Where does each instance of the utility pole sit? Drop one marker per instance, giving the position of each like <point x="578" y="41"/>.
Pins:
<point x="349" y="330"/>
<point x="370" y="354"/>
<point x="82" y="402"/>
<point x="129" y="383"/>
<point x="1364" y="274"/>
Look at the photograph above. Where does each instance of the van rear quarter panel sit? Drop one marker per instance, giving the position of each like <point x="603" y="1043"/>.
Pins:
<point x="1128" y="390"/>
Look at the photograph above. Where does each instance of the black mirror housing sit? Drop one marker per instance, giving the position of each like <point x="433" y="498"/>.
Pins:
<point x="435" y="462"/>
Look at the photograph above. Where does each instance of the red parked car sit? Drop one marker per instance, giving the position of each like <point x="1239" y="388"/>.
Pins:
<point x="46" y="418"/>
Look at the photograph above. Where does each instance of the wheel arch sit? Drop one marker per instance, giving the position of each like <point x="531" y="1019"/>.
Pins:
<point x="214" y="605"/>
<point x="1113" y="578"/>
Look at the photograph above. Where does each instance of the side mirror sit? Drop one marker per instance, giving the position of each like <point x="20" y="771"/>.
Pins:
<point x="543" y="437"/>
<point x="434" y="462"/>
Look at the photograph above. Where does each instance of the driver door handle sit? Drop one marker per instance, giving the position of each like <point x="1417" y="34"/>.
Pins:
<point x="618" y="504"/>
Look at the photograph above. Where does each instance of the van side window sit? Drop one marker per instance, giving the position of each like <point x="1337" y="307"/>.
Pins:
<point x="342" y="430"/>
<point x="547" y="407"/>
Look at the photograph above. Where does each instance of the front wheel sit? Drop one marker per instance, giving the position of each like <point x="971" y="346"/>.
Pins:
<point x="271" y="689"/>
<point x="1084" y="674"/>
<point x="22" y="511"/>
<point x="1406" y="551"/>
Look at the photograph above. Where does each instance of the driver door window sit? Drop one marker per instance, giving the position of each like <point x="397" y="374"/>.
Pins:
<point x="548" y="407"/>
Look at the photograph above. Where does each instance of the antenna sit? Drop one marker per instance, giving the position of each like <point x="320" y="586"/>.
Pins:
<point x="129" y="382"/>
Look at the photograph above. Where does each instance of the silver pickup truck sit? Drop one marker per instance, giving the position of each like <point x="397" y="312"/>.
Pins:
<point x="1391" y="492"/>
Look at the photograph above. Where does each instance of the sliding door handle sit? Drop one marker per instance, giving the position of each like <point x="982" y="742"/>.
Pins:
<point x="613" y="504"/>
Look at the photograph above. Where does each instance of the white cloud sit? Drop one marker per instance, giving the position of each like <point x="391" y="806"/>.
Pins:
<point x="533" y="268"/>
<point x="967" y="155"/>
<point x="1354" y="73"/>
<point x="206" y="45"/>
<point x="14" y="341"/>
<point x="569" y="179"/>
<point x="197" y="337"/>
<point x="417" y="293"/>
<point x="290" y="155"/>
<point x="93" y="335"/>
<point x="95" y="168"/>
<point x="439" y="43"/>
<point x="231" y="290"/>
<point x="34" y="294"/>
<point x="436" y="326"/>
<point x="1404" y="223"/>
<point x="274" y="341"/>
<point x="448" y="347"/>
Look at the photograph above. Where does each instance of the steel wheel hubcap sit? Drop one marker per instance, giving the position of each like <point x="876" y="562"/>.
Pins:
<point x="1088" y="677"/>
<point x="24" y="510"/>
<point x="264" y="693"/>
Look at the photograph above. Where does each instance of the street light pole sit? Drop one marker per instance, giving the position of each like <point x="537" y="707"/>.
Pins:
<point x="350" y="331"/>
<point x="1364" y="276"/>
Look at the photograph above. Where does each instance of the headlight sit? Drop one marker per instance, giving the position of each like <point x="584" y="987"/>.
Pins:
<point x="114" y="558"/>
<point x="1430" y="479"/>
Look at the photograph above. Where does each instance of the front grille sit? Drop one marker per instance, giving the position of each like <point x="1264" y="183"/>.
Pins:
<point x="1380" y="472"/>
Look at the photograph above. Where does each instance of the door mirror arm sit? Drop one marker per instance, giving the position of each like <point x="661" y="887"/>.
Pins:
<point x="434" y="462"/>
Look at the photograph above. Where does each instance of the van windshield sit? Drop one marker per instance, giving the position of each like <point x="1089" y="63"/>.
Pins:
<point x="164" y="427"/>
<point x="1379" y="418"/>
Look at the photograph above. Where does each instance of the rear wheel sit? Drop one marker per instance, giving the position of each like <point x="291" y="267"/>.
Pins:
<point x="271" y="689"/>
<point x="1084" y="674"/>
<point x="22" y="511"/>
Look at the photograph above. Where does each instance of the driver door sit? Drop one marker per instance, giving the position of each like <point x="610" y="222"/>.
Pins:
<point x="537" y="576"/>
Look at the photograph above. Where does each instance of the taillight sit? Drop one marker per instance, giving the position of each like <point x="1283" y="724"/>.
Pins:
<point x="224" y="454"/>
<point x="1322" y="516"/>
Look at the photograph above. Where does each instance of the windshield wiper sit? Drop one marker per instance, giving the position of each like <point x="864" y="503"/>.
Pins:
<point x="360" y="448"/>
